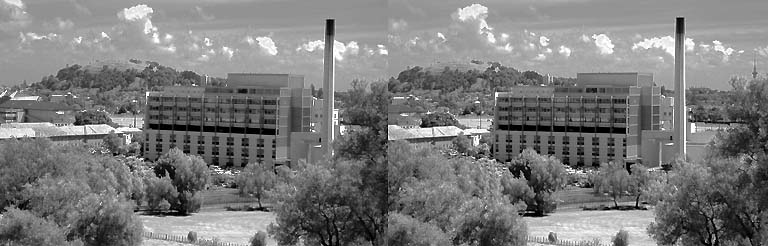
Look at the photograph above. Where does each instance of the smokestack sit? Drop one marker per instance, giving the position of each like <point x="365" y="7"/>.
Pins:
<point x="328" y="84"/>
<point x="681" y="119"/>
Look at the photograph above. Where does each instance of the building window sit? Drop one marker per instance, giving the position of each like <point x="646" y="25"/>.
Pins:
<point x="611" y="141"/>
<point x="522" y="139"/>
<point x="200" y="150"/>
<point x="536" y="139"/>
<point x="523" y="147"/>
<point x="244" y="152"/>
<point x="274" y="143"/>
<point x="201" y="140"/>
<point x="624" y="142"/>
<point x="243" y="162"/>
<point x="186" y="149"/>
<point x="215" y="151"/>
<point x="274" y="154"/>
<point x="566" y="151"/>
<point x="596" y="162"/>
<point x="260" y="143"/>
<point x="215" y="140"/>
<point x="159" y="148"/>
<point x="551" y="150"/>
<point x="551" y="140"/>
<point x="215" y="161"/>
<point x="579" y="140"/>
<point x="580" y="151"/>
<point x="611" y="152"/>
<point x="537" y="148"/>
<point x="173" y="138"/>
<point x="186" y="139"/>
<point x="580" y="161"/>
<point x="566" y="141"/>
<point x="230" y="151"/>
<point x="159" y="137"/>
<point x="595" y="141"/>
<point x="230" y="141"/>
<point x="244" y="142"/>
<point x="260" y="153"/>
<point x="595" y="151"/>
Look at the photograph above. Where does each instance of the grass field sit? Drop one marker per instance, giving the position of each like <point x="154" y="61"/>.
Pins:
<point x="575" y="225"/>
<point x="232" y="227"/>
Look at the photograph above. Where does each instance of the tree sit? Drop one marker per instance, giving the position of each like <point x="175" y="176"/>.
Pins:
<point x="107" y="220"/>
<point x="92" y="117"/>
<point x="160" y="192"/>
<point x="318" y="206"/>
<point x="115" y="144"/>
<point x="24" y="228"/>
<point x="255" y="180"/>
<point x="640" y="180"/>
<point x="438" y="119"/>
<point x="613" y="179"/>
<point x="405" y="230"/>
<point x="545" y="175"/>
<point x="189" y="174"/>
<point x="463" y="145"/>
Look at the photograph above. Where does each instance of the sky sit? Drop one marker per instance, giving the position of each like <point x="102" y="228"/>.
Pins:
<point x="564" y="37"/>
<point x="214" y="37"/>
<point x="376" y="39"/>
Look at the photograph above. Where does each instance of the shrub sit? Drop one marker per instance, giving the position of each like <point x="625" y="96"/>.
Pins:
<point x="192" y="236"/>
<point x="552" y="237"/>
<point x="259" y="239"/>
<point x="621" y="238"/>
<point x="19" y="227"/>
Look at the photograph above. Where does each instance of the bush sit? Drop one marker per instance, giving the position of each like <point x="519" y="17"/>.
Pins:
<point x="19" y="227"/>
<point x="259" y="239"/>
<point x="552" y="237"/>
<point x="621" y="238"/>
<point x="192" y="236"/>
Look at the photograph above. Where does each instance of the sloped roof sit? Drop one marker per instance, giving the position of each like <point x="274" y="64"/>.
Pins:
<point x="88" y="129"/>
<point x="26" y="98"/>
<point x="34" y="105"/>
<point x="127" y="129"/>
<point x="399" y="133"/>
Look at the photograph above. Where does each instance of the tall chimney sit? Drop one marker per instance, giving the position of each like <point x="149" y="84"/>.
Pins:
<point x="328" y="84"/>
<point x="681" y="119"/>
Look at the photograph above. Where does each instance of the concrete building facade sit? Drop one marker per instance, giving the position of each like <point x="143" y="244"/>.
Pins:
<point x="599" y="120"/>
<point x="251" y="119"/>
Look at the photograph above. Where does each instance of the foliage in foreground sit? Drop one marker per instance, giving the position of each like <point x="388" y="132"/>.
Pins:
<point x="57" y="193"/>
<point x="545" y="175"/>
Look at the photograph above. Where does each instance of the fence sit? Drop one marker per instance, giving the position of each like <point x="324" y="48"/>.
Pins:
<point x="545" y="240"/>
<point x="183" y="239"/>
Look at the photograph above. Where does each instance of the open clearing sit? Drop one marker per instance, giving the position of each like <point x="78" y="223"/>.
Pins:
<point x="233" y="227"/>
<point x="576" y="225"/>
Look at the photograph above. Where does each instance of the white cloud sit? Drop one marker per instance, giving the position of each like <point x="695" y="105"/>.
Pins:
<point x="382" y="49"/>
<point x="475" y="15"/>
<point x="15" y="3"/>
<point x="540" y="57"/>
<point x="585" y="38"/>
<point x="77" y="40"/>
<point x="339" y="48"/>
<point x="544" y="41"/>
<point x="64" y="24"/>
<point x="398" y="25"/>
<point x="105" y="36"/>
<point x="603" y="43"/>
<point x="227" y="52"/>
<point x="508" y="48"/>
<point x="138" y="12"/>
<point x="207" y="42"/>
<point x="565" y="51"/>
<point x="666" y="43"/>
<point x="35" y="36"/>
<point x="504" y="37"/>
<point x="249" y="40"/>
<point x="719" y="47"/>
<point x="267" y="44"/>
<point x="441" y="36"/>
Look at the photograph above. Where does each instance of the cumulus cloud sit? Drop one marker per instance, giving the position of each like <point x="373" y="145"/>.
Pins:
<point x="603" y="43"/>
<point x="398" y="25"/>
<point x="474" y="16"/>
<point x="540" y="57"/>
<point x="382" y="49"/>
<point x="267" y="44"/>
<point x="339" y="48"/>
<point x="64" y="24"/>
<point x="441" y="36"/>
<point x="207" y="42"/>
<point x="13" y="15"/>
<point x="666" y="43"/>
<point x="544" y="41"/>
<point x="565" y="51"/>
<point x="227" y="51"/>
<point x="200" y="13"/>
<point x="719" y="47"/>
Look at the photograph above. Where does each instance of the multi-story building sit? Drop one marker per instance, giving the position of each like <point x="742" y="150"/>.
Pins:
<point x="21" y="111"/>
<point x="601" y="119"/>
<point x="254" y="118"/>
<point x="318" y="115"/>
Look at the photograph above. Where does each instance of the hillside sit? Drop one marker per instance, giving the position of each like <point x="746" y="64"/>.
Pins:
<point x="114" y="85"/>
